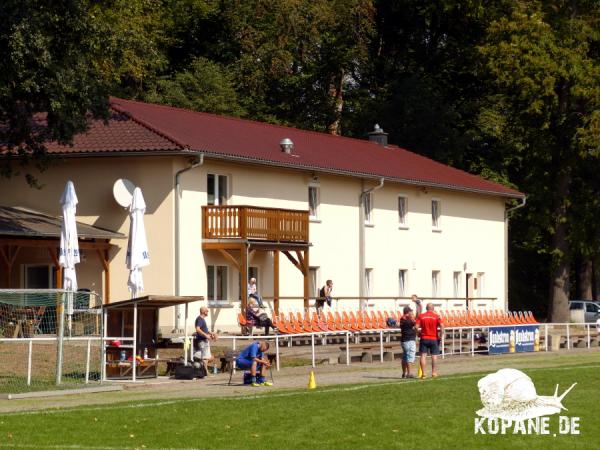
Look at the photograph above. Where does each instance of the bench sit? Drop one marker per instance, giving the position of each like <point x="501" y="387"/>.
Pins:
<point x="368" y="350"/>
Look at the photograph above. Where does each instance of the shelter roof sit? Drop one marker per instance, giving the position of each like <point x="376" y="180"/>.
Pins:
<point x="154" y="301"/>
<point x="17" y="221"/>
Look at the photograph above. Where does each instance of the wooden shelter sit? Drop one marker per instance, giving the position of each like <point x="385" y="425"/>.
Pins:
<point x="130" y="330"/>
<point x="25" y="228"/>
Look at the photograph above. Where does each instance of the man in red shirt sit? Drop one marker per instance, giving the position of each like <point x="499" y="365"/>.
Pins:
<point x="428" y="324"/>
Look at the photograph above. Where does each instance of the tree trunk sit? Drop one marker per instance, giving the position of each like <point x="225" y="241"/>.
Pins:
<point x="559" y="284"/>
<point x="596" y="278"/>
<point x="585" y="280"/>
<point x="337" y="92"/>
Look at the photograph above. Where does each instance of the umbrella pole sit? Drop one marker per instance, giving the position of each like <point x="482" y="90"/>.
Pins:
<point x="60" y="338"/>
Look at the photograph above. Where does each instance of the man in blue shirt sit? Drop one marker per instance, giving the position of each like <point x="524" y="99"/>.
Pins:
<point x="253" y="358"/>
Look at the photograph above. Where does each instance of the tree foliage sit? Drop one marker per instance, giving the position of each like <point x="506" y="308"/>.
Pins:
<point x="49" y="63"/>
<point x="507" y="89"/>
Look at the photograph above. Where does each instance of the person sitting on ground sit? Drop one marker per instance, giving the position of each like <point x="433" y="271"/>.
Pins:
<point x="429" y="324"/>
<point x="253" y="292"/>
<point x="202" y="337"/>
<point x="408" y="341"/>
<point x="257" y="318"/>
<point x="253" y="358"/>
<point x="325" y="295"/>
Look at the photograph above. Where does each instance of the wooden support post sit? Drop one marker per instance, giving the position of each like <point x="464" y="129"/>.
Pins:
<point x="103" y="255"/>
<point x="276" y="281"/>
<point x="9" y="256"/>
<point x="244" y="276"/>
<point x="57" y="266"/>
<point x="306" y="280"/>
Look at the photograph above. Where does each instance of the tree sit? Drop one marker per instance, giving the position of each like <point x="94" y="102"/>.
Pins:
<point x="50" y="57"/>
<point x="544" y="60"/>
<point x="204" y="86"/>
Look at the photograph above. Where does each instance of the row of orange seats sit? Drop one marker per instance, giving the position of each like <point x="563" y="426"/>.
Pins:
<point x="486" y="318"/>
<point x="295" y="323"/>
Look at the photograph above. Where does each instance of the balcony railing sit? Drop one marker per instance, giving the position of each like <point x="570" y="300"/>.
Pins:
<point x="251" y="222"/>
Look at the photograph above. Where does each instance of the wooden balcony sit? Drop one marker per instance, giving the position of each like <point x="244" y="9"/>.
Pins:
<point x="254" y="223"/>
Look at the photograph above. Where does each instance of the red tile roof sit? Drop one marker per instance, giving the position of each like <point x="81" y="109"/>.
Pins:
<point x="144" y="127"/>
<point x="121" y="134"/>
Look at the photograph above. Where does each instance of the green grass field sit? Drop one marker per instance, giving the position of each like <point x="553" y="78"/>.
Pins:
<point x="436" y="413"/>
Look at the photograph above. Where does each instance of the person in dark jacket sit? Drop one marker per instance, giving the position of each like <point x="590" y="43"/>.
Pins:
<point x="257" y="318"/>
<point x="408" y="341"/>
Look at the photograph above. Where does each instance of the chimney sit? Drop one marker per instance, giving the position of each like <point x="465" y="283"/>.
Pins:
<point x="379" y="136"/>
<point x="286" y="145"/>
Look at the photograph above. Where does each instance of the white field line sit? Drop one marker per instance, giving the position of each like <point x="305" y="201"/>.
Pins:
<point x="91" y="447"/>
<point x="150" y="404"/>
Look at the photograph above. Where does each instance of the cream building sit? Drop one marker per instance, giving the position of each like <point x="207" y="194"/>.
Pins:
<point x="227" y="200"/>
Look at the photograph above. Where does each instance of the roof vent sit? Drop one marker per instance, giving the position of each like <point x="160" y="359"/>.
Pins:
<point x="379" y="136"/>
<point x="286" y="145"/>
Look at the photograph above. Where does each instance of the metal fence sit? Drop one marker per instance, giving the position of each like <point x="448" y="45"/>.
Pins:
<point x="49" y="339"/>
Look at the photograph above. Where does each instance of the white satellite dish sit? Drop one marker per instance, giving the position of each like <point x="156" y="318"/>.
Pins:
<point x="123" y="192"/>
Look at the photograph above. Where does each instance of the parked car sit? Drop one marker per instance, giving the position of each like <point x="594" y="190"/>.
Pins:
<point x="586" y="310"/>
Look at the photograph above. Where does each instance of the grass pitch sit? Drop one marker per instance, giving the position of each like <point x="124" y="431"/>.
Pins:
<point x="434" y="413"/>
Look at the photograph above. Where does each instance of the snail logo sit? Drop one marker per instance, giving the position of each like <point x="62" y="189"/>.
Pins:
<point x="509" y="398"/>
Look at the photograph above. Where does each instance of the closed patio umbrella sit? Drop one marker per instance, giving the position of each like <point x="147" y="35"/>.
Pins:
<point x="137" y="247"/>
<point x="69" y="244"/>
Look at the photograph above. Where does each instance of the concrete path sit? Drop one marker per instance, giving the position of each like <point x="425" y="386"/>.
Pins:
<point x="297" y="378"/>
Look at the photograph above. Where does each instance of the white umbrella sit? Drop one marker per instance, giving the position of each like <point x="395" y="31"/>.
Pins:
<point x="137" y="247"/>
<point x="69" y="245"/>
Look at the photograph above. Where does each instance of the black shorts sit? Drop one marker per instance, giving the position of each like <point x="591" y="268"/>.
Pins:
<point x="429" y="344"/>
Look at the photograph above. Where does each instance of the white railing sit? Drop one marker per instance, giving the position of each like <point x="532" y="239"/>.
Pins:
<point x="385" y="336"/>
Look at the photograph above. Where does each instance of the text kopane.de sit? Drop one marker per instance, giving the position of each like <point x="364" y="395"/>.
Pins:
<point x="538" y="425"/>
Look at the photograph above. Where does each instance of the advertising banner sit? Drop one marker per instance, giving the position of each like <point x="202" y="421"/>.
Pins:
<point x="511" y="339"/>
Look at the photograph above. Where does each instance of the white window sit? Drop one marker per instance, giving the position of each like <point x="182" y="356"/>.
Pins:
<point x="457" y="283"/>
<point x="217" y="280"/>
<point x="402" y="282"/>
<point x="368" y="207"/>
<point x="368" y="282"/>
<point x="480" y="284"/>
<point x="39" y="276"/>
<point x="313" y="202"/>
<point x="436" y="212"/>
<point x="402" y="210"/>
<point x="313" y="281"/>
<point x="217" y="189"/>
<point x="435" y="283"/>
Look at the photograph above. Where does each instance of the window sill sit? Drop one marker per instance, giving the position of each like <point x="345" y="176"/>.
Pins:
<point x="314" y="220"/>
<point x="436" y="230"/>
<point x="220" y="305"/>
<point x="403" y="227"/>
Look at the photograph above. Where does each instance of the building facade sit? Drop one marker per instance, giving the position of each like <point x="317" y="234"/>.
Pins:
<point x="226" y="201"/>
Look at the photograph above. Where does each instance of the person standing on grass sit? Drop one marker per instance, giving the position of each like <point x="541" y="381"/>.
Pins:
<point x="418" y="304"/>
<point x="431" y="328"/>
<point x="253" y="358"/>
<point x="408" y="341"/>
<point x="202" y="338"/>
